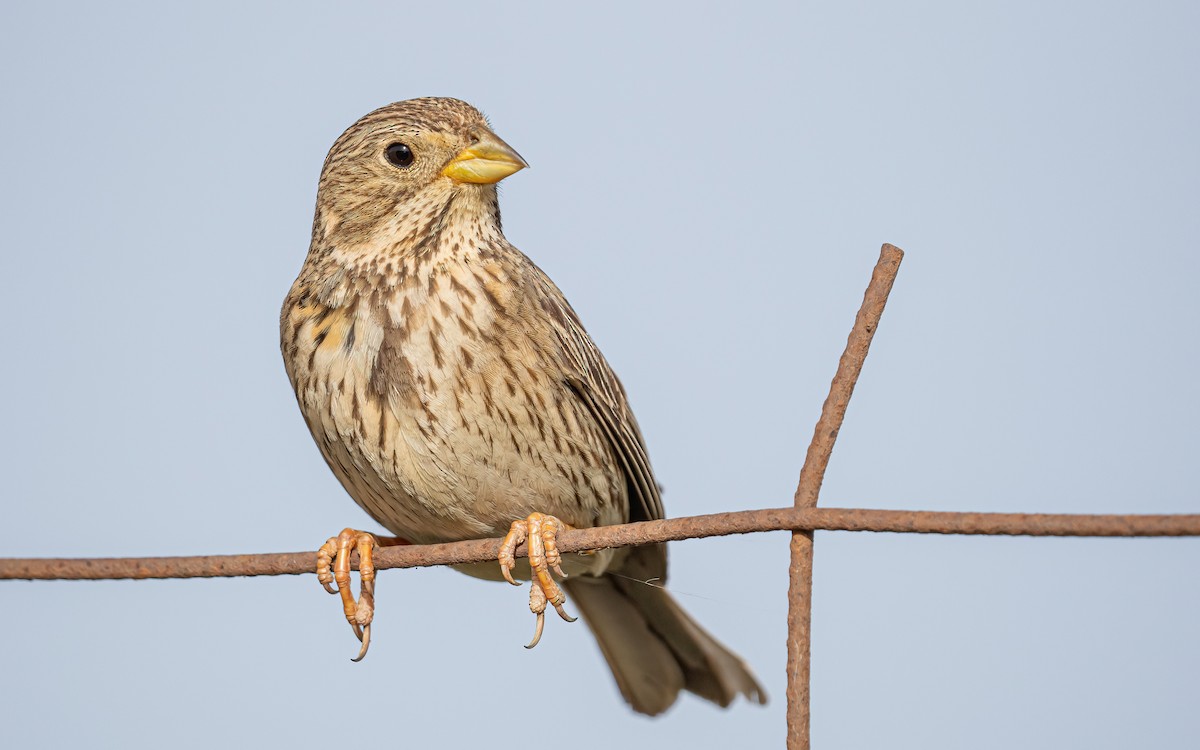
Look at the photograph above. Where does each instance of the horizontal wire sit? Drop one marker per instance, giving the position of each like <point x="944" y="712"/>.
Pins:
<point x="625" y="535"/>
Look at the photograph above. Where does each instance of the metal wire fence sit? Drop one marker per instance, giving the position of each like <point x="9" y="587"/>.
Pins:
<point x="802" y="520"/>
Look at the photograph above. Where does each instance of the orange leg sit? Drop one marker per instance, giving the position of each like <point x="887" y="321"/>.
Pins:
<point x="335" y="554"/>
<point x="541" y="531"/>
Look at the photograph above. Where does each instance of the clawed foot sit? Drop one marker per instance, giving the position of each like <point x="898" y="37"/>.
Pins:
<point x="541" y="531"/>
<point x="336" y="551"/>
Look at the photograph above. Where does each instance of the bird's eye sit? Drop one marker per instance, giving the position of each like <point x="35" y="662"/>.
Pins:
<point x="399" y="155"/>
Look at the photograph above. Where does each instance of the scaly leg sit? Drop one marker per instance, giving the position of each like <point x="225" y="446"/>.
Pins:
<point x="336" y="552"/>
<point x="541" y="531"/>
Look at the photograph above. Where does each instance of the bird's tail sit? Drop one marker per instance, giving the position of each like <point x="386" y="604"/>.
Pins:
<point x="655" y="649"/>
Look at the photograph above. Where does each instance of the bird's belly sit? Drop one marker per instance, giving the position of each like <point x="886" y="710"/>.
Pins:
<point x="459" y="447"/>
<point x="466" y="462"/>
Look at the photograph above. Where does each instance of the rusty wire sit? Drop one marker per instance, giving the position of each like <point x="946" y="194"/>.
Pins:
<point x="812" y="474"/>
<point x="801" y="519"/>
<point x="630" y="534"/>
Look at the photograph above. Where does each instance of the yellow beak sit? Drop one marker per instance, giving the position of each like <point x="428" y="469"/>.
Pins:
<point x="486" y="161"/>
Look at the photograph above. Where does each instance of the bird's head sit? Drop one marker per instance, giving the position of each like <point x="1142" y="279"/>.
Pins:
<point x="402" y="164"/>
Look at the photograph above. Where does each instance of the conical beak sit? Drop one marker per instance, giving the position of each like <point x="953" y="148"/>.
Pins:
<point x="486" y="161"/>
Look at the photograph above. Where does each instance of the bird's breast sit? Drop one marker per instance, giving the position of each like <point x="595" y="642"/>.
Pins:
<point x="438" y="405"/>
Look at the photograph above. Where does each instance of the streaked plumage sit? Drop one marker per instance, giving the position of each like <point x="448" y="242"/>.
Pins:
<point x="452" y="389"/>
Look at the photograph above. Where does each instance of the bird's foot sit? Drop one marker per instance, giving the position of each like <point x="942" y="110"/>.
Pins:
<point x="541" y="531"/>
<point x="333" y="567"/>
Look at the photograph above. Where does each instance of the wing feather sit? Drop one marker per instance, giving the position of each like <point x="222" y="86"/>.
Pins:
<point x="589" y="375"/>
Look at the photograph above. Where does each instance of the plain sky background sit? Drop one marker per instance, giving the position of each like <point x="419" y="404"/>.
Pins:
<point x="710" y="187"/>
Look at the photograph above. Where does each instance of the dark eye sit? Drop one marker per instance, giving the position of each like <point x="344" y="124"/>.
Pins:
<point x="399" y="155"/>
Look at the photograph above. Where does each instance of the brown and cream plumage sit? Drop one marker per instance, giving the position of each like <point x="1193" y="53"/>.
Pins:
<point x="453" y="390"/>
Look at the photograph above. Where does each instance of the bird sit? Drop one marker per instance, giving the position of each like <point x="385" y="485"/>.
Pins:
<point x="455" y="394"/>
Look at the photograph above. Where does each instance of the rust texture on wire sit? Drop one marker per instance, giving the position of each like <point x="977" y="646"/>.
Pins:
<point x="833" y="412"/>
<point x="647" y="532"/>
<point x="812" y="474"/>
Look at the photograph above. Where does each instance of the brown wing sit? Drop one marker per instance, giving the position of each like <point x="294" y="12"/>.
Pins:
<point x="593" y="381"/>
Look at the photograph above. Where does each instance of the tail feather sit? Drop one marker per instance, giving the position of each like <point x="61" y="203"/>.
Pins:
<point x="655" y="649"/>
<point x="710" y="670"/>
<point x="647" y="672"/>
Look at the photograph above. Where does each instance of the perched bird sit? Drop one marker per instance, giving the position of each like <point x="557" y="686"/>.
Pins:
<point x="455" y="394"/>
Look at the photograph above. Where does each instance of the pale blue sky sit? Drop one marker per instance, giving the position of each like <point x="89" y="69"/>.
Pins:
<point x="710" y="187"/>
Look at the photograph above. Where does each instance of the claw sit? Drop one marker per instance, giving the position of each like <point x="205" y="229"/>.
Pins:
<point x="537" y="630"/>
<point x="366" y="643"/>
<point x="335" y="553"/>
<point x="541" y="532"/>
<point x="563" y="613"/>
